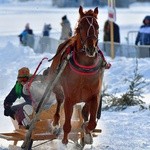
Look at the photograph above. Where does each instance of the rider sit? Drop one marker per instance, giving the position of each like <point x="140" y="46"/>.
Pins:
<point x="16" y="112"/>
<point x="22" y="112"/>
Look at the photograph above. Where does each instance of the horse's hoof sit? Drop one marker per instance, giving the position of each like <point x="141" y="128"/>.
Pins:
<point x="65" y="141"/>
<point x="56" y="130"/>
<point x="84" y="127"/>
<point x="88" y="138"/>
<point x="79" y="146"/>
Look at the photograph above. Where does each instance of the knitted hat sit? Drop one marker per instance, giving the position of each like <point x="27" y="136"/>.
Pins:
<point x="146" y="18"/>
<point x="64" y="17"/>
<point x="27" y="26"/>
<point x="23" y="72"/>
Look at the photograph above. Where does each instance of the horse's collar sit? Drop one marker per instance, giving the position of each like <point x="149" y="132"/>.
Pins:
<point x="81" y="69"/>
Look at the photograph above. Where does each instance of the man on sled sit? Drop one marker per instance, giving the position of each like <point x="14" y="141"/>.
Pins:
<point x="24" y="111"/>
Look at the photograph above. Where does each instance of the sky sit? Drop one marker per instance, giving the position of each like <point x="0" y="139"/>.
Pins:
<point x="124" y="130"/>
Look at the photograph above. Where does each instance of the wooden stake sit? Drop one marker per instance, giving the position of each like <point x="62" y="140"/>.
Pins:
<point x="112" y="39"/>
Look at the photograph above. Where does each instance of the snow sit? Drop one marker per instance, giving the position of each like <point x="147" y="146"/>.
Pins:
<point x="123" y="130"/>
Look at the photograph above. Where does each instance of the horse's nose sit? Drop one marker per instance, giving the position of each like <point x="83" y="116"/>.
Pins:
<point x="91" y="50"/>
<point x="92" y="42"/>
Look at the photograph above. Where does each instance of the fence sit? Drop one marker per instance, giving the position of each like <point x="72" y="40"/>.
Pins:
<point x="43" y="44"/>
<point x="50" y="45"/>
<point x="131" y="37"/>
<point x="125" y="50"/>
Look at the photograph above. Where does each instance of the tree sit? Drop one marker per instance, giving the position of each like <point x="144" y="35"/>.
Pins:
<point x="131" y="97"/>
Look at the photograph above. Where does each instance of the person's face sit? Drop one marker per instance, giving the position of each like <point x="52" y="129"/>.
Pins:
<point x="108" y="28"/>
<point x="147" y="22"/>
<point x="23" y="80"/>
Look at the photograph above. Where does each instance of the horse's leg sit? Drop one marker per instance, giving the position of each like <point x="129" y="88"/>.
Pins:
<point x="90" y="126"/>
<point x="68" y="109"/>
<point x="59" y="97"/>
<point x="93" y="114"/>
<point x="85" y="112"/>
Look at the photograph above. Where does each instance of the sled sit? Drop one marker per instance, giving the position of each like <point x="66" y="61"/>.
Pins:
<point x="43" y="128"/>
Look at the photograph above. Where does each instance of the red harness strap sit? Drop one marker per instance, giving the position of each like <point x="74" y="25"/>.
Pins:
<point x="108" y="65"/>
<point x="68" y="50"/>
<point x="32" y="78"/>
<point x="86" y="70"/>
<point x="82" y="69"/>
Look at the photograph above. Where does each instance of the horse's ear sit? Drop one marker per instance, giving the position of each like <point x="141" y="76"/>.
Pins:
<point x="96" y="10"/>
<point x="81" y="11"/>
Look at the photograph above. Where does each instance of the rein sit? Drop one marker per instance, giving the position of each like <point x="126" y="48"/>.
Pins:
<point x="32" y="78"/>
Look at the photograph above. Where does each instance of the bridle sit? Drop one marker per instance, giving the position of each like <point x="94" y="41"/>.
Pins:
<point x="91" y="26"/>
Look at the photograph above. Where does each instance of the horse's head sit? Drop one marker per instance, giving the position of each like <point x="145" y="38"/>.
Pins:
<point x="88" y="30"/>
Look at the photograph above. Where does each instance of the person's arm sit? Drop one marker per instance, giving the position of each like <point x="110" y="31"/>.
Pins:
<point x="8" y="102"/>
<point x="118" y="34"/>
<point x="11" y="98"/>
<point x="137" y="38"/>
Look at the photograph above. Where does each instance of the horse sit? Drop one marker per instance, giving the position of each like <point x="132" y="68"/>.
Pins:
<point x="81" y="80"/>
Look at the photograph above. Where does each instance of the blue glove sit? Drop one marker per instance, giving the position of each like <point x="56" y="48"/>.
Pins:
<point x="9" y="112"/>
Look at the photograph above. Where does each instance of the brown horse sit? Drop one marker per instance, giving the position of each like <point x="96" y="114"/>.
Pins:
<point x="81" y="79"/>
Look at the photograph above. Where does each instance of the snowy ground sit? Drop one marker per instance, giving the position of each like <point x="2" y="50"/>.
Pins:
<point x="125" y="130"/>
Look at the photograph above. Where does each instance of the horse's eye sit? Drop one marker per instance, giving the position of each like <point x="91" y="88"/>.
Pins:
<point x="80" y="27"/>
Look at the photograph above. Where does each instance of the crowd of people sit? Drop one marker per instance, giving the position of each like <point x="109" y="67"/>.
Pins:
<point x="143" y="36"/>
<point x="66" y="32"/>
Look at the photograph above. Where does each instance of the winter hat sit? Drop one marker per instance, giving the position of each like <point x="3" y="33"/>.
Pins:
<point x="146" y="18"/>
<point x="27" y="26"/>
<point x="64" y="17"/>
<point x="24" y="72"/>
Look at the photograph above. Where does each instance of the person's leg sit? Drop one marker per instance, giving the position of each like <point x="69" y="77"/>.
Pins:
<point x="28" y="113"/>
<point x="23" y="111"/>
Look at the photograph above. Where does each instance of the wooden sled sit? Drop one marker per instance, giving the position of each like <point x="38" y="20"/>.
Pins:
<point x="43" y="128"/>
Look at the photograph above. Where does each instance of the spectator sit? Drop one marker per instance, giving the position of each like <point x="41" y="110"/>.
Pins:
<point x="107" y="32"/>
<point x="143" y="36"/>
<point x="46" y="29"/>
<point x="66" y="31"/>
<point x="23" y="35"/>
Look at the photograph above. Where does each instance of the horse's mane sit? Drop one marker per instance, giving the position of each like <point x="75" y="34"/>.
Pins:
<point x="66" y="44"/>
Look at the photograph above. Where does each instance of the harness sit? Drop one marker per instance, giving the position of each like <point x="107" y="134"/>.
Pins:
<point x="31" y="80"/>
<point x="85" y="70"/>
